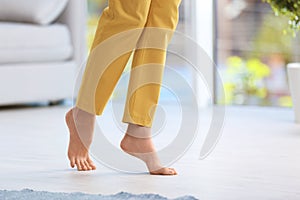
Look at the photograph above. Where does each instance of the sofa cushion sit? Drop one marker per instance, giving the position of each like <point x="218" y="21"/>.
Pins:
<point x="33" y="11"/>
<point x="33" y="43"/>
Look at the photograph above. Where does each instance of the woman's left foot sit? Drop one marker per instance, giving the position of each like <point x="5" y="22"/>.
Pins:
<point x="143" y="148"/>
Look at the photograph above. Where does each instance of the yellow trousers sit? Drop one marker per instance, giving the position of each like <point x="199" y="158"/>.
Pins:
<point x="99" y="80"/>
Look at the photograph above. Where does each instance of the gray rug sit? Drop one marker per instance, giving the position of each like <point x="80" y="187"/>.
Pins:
<point x="36" y="195"/>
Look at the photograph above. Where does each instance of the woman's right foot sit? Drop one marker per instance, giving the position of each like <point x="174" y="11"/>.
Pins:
<point x="78" y="152"/>
<point x="143" y="148"/>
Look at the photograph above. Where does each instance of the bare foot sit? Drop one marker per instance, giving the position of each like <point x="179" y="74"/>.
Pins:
<point x="78" y="151"/>
<point x="143" y="148"/>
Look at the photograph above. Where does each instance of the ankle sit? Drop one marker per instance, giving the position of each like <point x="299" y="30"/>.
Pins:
<point x="77" y="111"/>
<point x="139" y="132"/>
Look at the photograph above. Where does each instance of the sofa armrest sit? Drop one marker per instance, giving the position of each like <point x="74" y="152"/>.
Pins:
<point x="75" y="17"/>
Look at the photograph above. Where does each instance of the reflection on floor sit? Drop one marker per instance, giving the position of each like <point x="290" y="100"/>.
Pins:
<point x="256" y="158"/>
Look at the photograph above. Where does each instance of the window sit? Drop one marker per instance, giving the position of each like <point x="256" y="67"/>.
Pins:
<point x="251" y="51"/>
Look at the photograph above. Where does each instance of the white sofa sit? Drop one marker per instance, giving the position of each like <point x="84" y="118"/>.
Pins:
<point x="40" y="62"/>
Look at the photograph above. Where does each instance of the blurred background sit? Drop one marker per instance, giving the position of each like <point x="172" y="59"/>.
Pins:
<point x="252" y="49"/>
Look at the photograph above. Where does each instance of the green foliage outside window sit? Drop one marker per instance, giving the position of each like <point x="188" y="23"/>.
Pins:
<point x="244" y="81"/>
<point x="288" y="8"/>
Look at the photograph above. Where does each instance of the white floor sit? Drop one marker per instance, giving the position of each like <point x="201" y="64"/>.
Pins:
<point x="258" y="157"/>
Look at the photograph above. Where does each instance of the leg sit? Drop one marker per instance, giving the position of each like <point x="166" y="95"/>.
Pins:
<point x="100" y="77"/>
<point x="141" y="103"/>
<point x="102" y="74"/>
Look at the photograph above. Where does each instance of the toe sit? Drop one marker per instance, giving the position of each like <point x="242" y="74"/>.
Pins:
<point x="72" y="162"/>
<point x="164" y="171"/>
<point x="174" y="171"/>
<point x="79" y="167"/>
<point x="84" y="167"/>
<point x="91" y="164"/>
<point x="168" y="171"/>
<point x="87" y="165"/>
